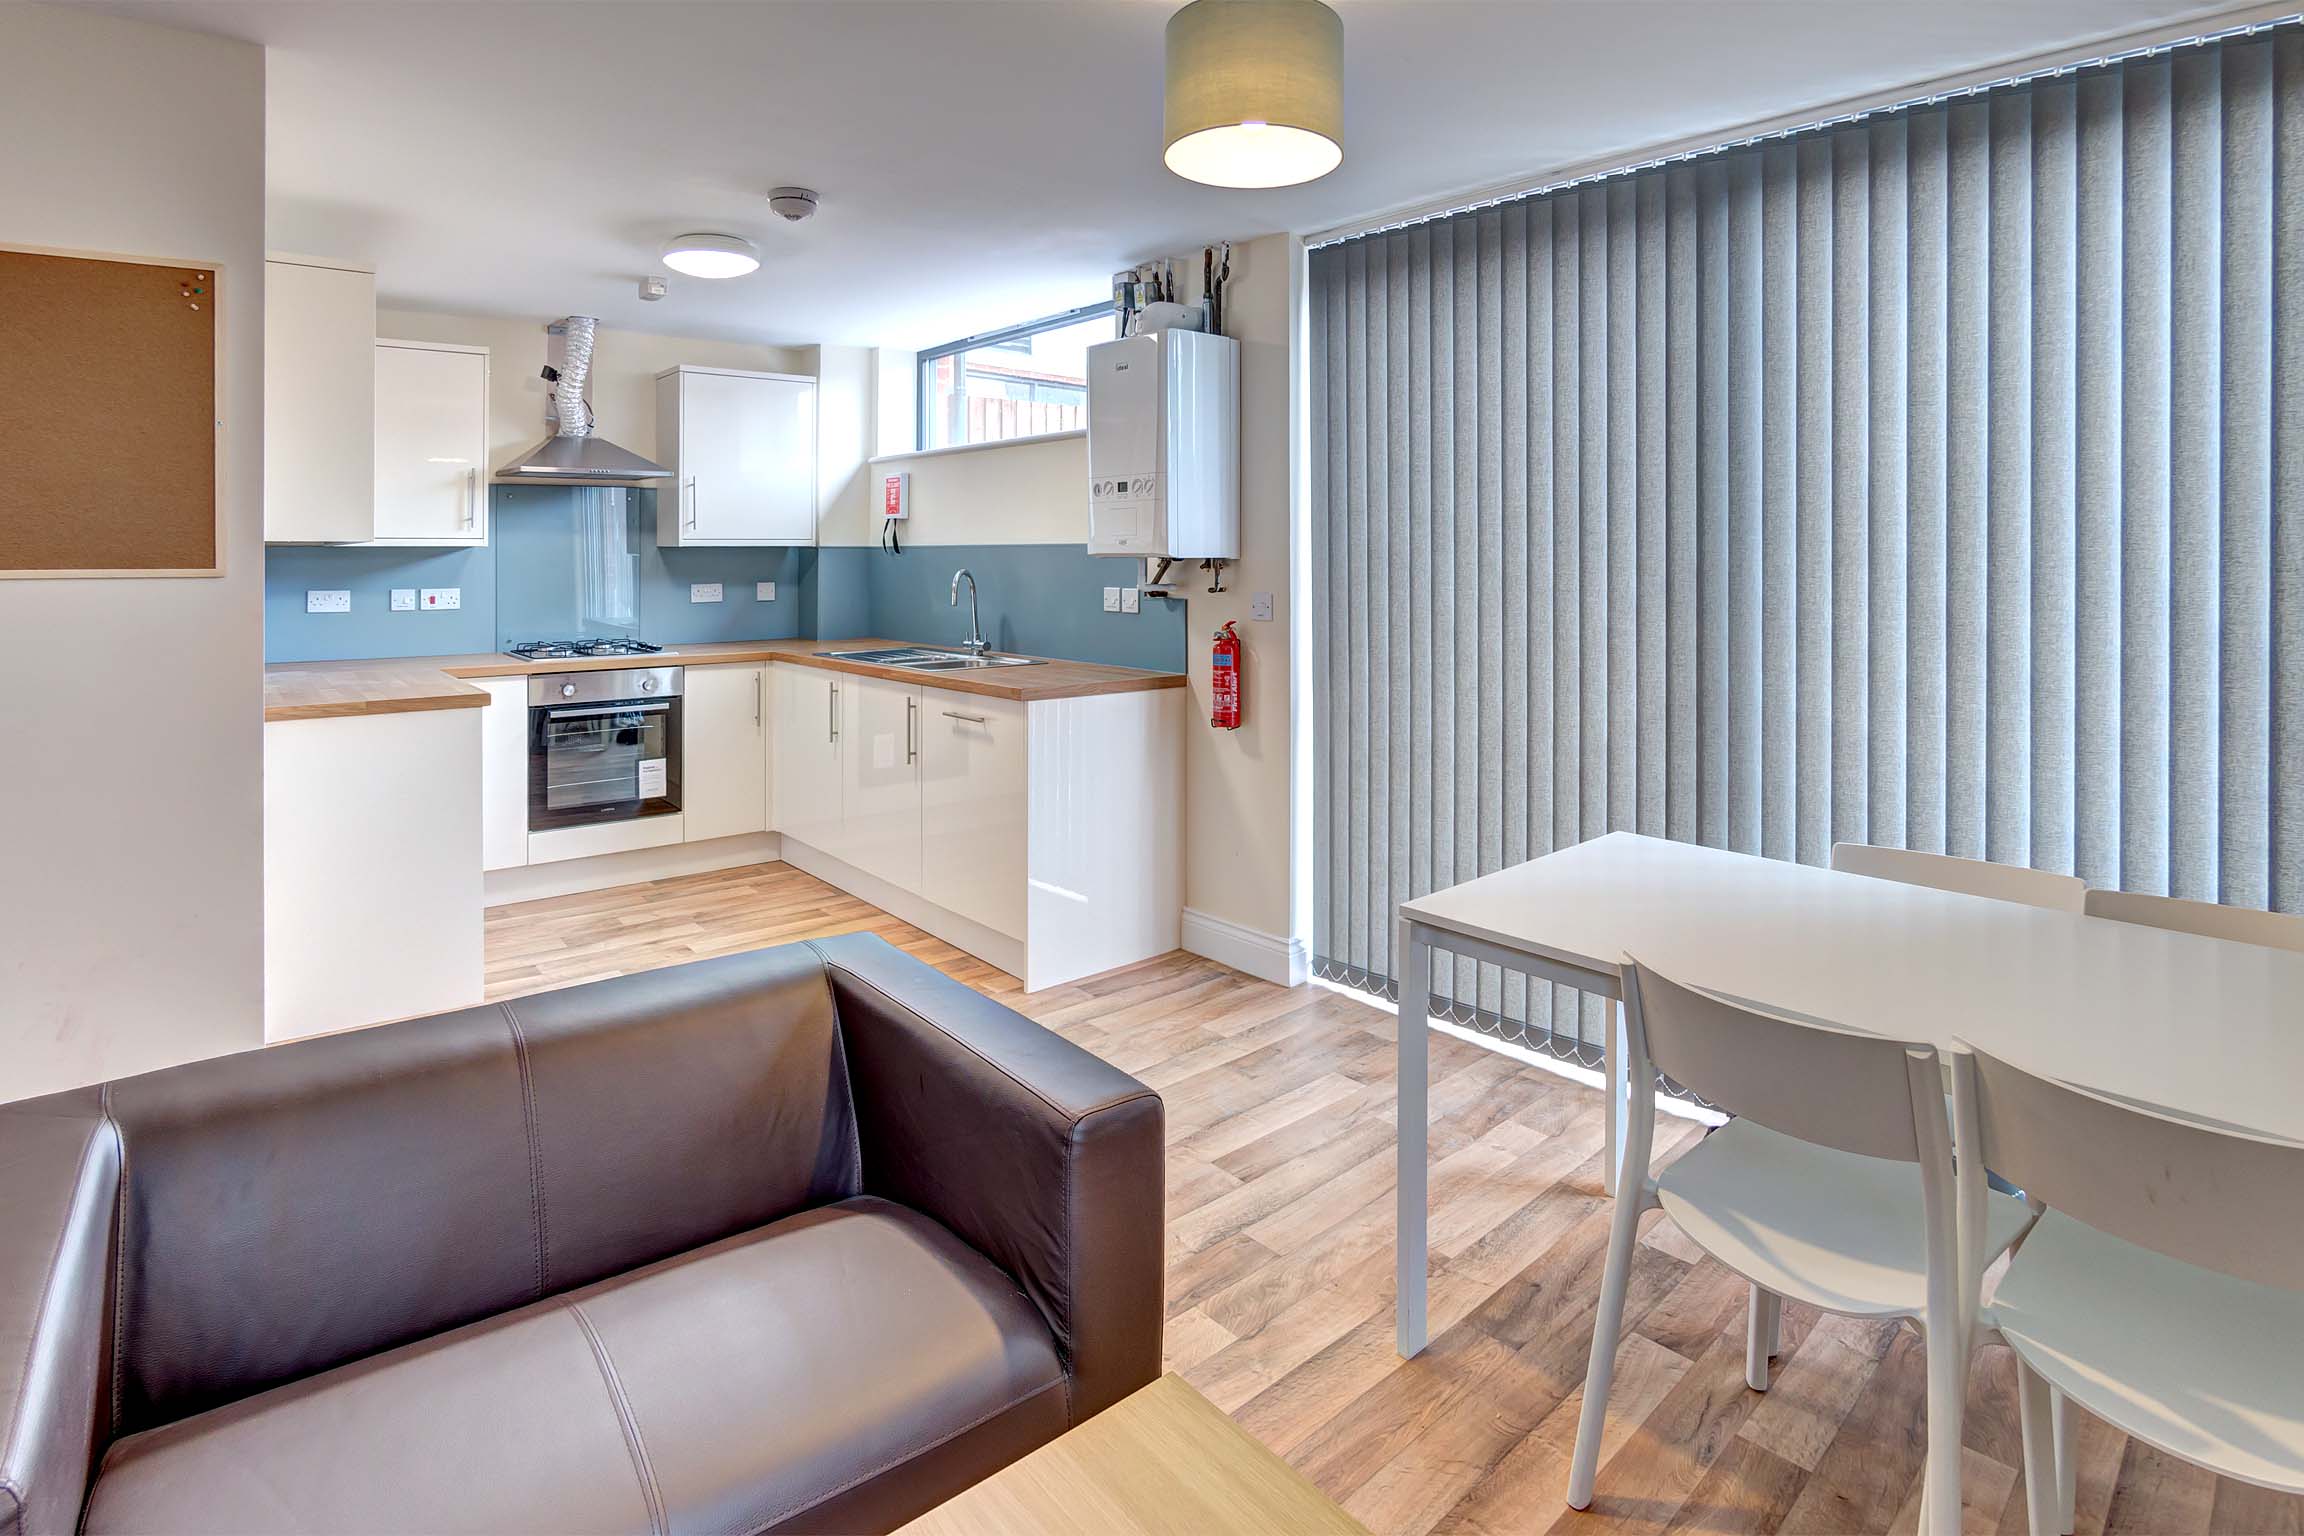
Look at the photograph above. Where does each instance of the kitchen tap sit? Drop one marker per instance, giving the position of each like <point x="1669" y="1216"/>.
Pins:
<point x="975" y="644"/>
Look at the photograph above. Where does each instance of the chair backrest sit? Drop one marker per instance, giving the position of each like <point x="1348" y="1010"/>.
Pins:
<point x="1830" y="1086"/>
<point x="2220" y="1199"/>
<point x="1970" y="877"/>
<point x="2241" y="925"/>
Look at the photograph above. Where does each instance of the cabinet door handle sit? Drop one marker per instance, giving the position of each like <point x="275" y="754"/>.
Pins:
<point x="953" y="714"/>
<point x="832" y="712"/>
<point x="911" y="716"/>
<point x="756" y="698"/>
<point x="471" y="496"/>
<point x="695" y="504"/>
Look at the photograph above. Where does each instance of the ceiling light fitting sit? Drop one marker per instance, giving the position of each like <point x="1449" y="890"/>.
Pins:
<point x="700" y="255"/>
<point x="1255" y="92"/>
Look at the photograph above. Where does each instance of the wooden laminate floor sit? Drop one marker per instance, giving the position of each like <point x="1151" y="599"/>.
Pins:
<point x="1280" y="1265"/>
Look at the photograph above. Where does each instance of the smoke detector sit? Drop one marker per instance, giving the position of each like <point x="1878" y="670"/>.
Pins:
<point x="792" y="203"/>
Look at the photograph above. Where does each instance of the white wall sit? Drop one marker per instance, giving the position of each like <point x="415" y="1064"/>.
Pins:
<point x="624" y="369"/>
<point x="1239" y="849"/>
<point x="131" y="794"/>
<point x="1033" y="492"/>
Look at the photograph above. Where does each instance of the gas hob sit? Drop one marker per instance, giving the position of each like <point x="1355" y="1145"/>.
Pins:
<point x="564" y="650"/>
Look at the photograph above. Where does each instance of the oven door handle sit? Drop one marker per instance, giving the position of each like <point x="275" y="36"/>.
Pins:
<point x="555" y="712"/>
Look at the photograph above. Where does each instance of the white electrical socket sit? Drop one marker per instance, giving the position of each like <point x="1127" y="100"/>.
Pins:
<point x="1260" y="605"/>
<point x="1111" y="599"/>
<point x="764" y="591"/>
<point x="1131" y="599"/>
<point x="403" y="599"/>
<point x="442" y="597"/>
<point x="327" y="602"/>
<point x="703" y="591"/>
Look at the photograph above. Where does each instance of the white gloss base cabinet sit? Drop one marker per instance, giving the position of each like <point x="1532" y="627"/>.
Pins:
<point x="504" y="773"/>
<point x="880" y="790"/>
<point x="372" y="878"/>
<point x="1041" y="837"/>
<point x="804" y="753"/>
<point x="724" y="751"/>
<point x="974" y="828"/>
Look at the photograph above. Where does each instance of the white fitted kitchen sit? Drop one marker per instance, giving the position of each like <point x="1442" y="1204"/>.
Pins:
<point x="670" y="676"/>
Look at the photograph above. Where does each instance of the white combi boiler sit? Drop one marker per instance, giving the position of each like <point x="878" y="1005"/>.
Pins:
<point x="1164" y="446"/>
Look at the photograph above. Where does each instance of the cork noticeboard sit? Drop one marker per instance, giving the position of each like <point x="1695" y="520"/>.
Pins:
<point x="108" y="386"/>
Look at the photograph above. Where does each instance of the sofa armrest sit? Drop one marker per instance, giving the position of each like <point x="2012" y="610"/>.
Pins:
<point x="59" y="1181"/>
<point x="1044" y="1158"/>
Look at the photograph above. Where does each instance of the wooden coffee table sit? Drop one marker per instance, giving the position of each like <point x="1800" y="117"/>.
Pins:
<point x="1163" y="1461"/>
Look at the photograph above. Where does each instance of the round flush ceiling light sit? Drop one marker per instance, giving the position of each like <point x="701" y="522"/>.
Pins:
<point x="1255" y="93"/>
<point x="711" y="255"/>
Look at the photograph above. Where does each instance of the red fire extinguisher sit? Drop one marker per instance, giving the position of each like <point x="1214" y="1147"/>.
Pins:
<point x="1224" y="675"/>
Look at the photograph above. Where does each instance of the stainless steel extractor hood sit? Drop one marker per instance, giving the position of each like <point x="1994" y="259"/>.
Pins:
<point x="573" y="455"/>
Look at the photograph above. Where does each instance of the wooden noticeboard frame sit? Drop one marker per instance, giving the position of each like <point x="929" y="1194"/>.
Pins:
<point x="111" y="384"/>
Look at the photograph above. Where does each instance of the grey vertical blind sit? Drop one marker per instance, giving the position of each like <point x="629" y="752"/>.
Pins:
<point x="1933" y="480"/>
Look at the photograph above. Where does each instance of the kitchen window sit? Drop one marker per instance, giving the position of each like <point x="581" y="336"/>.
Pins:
<point x="1024" y="381"/>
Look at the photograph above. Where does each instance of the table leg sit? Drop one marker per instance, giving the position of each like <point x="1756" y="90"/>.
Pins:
<point x="1410" y="1133"/>
<point x="1614" y="1088"/>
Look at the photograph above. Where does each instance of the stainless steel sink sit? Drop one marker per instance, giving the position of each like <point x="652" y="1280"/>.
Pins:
<point x="920" y="659"/>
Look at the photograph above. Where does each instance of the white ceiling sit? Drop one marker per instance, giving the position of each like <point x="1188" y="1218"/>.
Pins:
<point x="980" y="161"/>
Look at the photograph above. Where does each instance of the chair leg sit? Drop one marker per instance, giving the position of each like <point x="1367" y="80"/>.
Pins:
<point x="1947" y="1386"/>
<point x="1607" y="1331"/>
<point x="2067" y="1464"/>
<point x="1763" y="1335"/>
<point x="2036" y="1412"/>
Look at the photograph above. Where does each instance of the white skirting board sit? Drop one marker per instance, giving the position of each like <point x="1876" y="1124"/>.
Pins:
<point x="533" y="882"/>
<point x="1268" y="956"/>
<point x="962" y="933"/>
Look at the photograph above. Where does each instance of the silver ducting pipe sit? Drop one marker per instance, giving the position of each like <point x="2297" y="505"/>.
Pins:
<point x="575" y="372"/>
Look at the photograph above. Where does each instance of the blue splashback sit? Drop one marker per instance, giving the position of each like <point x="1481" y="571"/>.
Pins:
<point x="370" y="629"/>
<point x="583" y="560"/>
<point x="556" y="564"/>
<point x="1039" y="599"/>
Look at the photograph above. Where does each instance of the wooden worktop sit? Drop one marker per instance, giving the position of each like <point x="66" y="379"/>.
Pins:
<point x="312" y="690"/>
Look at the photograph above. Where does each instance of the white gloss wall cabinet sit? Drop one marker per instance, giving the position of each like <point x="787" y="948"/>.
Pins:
<point x="742" y="448"/>
<point x="504" y="773"/>
<point x="1042" y="837"/>
<point x="804" y="752"/>
<point x="372" y="878"/>
<point x="723" y="751"/>
<point x="319" y="401"/>
<point x="974" y="827"/>
<point x="431" y="443"/>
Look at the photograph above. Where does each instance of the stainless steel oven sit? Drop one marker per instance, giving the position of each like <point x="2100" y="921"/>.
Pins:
<point x="603" y="746"/>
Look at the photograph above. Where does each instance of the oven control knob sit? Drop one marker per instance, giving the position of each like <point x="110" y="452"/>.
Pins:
<point x="567" y="690"/>
<point x="647" y="685"/>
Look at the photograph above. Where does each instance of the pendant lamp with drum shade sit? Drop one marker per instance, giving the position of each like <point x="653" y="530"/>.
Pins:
<point x="1255" y="92"/>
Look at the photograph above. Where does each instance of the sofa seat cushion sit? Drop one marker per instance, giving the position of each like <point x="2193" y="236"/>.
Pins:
<point x="839" y="1369"/>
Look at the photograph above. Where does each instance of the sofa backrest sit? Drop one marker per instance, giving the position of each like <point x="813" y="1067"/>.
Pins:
<point x="287" y="1210"/>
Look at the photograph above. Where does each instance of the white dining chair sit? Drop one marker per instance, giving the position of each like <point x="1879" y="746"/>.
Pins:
<point x="1969" y="877"/>
<point x="2161" y="1288"/>
<point x="2240" y="925"/>
<point x="1942" y="872"/>
<point x="1834" y="1186"/>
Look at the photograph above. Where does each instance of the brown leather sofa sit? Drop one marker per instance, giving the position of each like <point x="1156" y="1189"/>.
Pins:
<point x="807" y="1239"/>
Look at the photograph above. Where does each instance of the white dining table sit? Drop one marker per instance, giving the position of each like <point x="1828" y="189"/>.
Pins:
<point x="2201" y="1027"/>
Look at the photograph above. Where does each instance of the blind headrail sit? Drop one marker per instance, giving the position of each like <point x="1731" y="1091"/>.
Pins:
<point x="2095" y="53"/>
